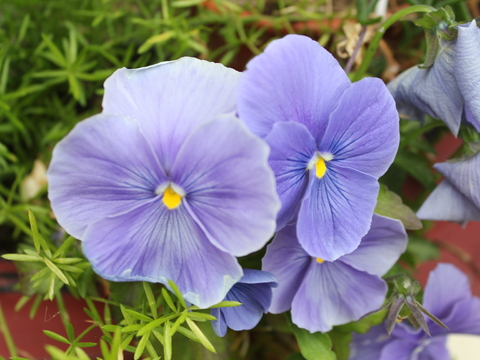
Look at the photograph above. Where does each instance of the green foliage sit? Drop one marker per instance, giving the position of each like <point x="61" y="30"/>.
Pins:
<point x="46" y="267"/>
<point x="390" y="204"/>
<point x="54" y="58"/>
<point x="153" y="328"/>
<point x="316" y="346"/>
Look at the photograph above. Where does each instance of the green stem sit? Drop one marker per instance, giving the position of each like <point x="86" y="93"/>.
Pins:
<point x="63" y="310"/>
<point x="6" y="334"/>
<point x="372" y="48"/>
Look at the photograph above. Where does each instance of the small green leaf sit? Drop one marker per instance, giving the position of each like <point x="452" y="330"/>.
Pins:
<point x="22" y="257"/>
<point x="168" y="300"/>
<point x="57" y="56"/>
<point x="390" y="204"/>
<point x="186" y="3"/>
<point x="126" y="315"/>
<point x="34" y="308"/>
<point x="156" y="39"/>
<point x="33" y="226"/>
<point x="179" y="322"/>
<point x="51" y="287"/>
<point x="138" y="315"/>
<point x="226" y="304"/>
<point x="167" y="342"/>
<point x="158" y="336"/>
<point x="63" y="248"/>
<point x="56" y="337"/>
<point x="70" y="332"/>
<point x="200" y="316"/>
<point x="200" y="336"/>
<point x="177" y="292"/>
<point x="111" y="328"/>
<point x="150" y="298"/>
<point x="341" y="343"/>
<point x="154" y="324"/>
<point x="45" y="246"/>
<point x="57" y="271"/>
<point x="74" y="269"/>
<point x="86" y="344"/>
<point x="93" y="311"/>
<point x="21" y="302"/>
<point x="141" y="346"/>
<point x="188" y="333"/>
<point x="125" y="343"/>
<point x="132" y="328"/>
<point x="316" y="346"/>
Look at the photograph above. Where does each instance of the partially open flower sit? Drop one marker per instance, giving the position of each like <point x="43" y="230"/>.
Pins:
<point x="448" y="90"/>
<point x="254" y="291"/>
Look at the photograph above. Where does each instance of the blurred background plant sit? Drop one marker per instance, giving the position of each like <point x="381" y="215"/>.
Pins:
<point x="54" y="58"/>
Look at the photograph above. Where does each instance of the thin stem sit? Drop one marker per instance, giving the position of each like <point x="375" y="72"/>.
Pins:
<point x="372" y="49"/>
<point x="12" y="349"/>
<point x="63" y="310"/>
<point x="350" y="62"/>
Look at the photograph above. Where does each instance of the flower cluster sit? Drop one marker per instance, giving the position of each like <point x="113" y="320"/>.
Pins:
<point x="167" y="183"/>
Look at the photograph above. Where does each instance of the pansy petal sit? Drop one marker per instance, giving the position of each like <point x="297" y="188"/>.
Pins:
<point x="254" y="291"/>
<point x="433" y="91"/>
<point x="446" y="286"/>
<point x="294" y="79"/>
<point x="171" y="99"/>
<point x="336" y="212"/>
<point x="251" y="276"/>
<point x="364" y="136"/>
<point x="292" y="147"/>
<point x="433" y="349"/>
<point x="94" y="173"/>
<point x="470" y="119"/>
<point x="464" y="318"/>
<point x="220" y="325"/>
<point x="385" y="242"/>
<point x="466" y="67"/>
<point x="255" y="299"/>
<point x="446" y="203"/>
<point x="161" y="245"/>
<point x="285" y="259"/>
<point x="230" y="188"/>
<point x="398" y="350"/>
<point x="369" y="346"/>
<point x="464" y="176"/>
<point x="334" y="293"/>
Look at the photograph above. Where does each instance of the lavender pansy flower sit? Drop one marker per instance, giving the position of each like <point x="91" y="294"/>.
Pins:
<point x="447" y="296"/>
<point x="323" y="294"/>
<point x="254" y="291"/>
<point x="457" y="197"/>
<point x="330" y="140"/>
<point x="448" y="90"/>
<point x="161" y="185"/>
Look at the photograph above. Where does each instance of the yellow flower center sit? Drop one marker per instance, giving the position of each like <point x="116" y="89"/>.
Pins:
<point x="318" y="259"/>
<point x="320" y="169"/>
<point x="171" y="199"/>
